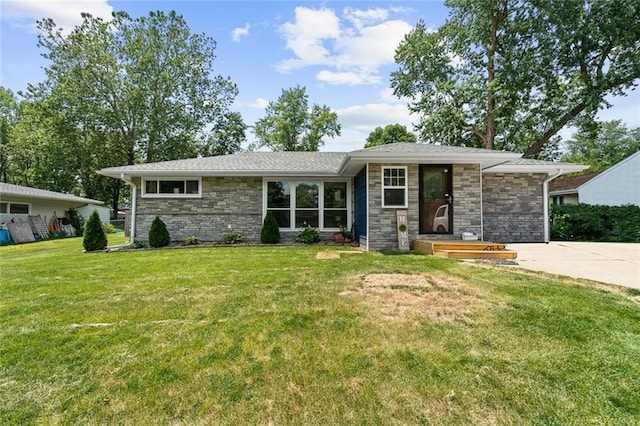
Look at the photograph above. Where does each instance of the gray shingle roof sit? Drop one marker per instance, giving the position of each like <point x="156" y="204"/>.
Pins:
<point x="246" y="162"/>
<point x="7" y="189"/>
<point x="426" y="148"/>
<point x="327" y="163"/>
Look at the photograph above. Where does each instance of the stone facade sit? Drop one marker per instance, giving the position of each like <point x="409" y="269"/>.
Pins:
<point x="383" y="234"/>
<point x="513" y="207"/>
<point x="228" y="204"/>
<point x="382" y="221"/>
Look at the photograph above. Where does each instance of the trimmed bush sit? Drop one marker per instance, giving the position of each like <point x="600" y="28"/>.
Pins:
<point x="585" y="222"/>
<point x="270" y="233"/>
<point x="308" y="235"/>
<point x="158" y="233"/>
<point x="233" y="238"/>
<point x="94" y="237"/>
<point x="192" y="241"/>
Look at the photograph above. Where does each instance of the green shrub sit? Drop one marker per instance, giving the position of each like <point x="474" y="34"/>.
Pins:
<point x="308" y="235"/>
<point x="585" y="222"/>
<point x="138" y="245"/>
<point x="270" y="233"/>
<point x="109" y="228"/>
<point x="192" y="241"/>
<point x="94" y="237"/>
<point x="232" y="238"/>
<point x="158" y="233"/>
<point x="76" y="220"/>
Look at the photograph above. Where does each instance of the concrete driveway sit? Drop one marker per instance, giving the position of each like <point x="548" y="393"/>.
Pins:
<point x="613" y="263"/>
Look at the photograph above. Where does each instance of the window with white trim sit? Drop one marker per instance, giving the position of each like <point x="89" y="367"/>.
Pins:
<point x="299" y="204"/>
<point x="15" y="208"/>
<point x="394" y="187"/>
<point x="172" y="187"/>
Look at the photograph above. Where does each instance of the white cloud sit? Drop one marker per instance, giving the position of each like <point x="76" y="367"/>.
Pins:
<point x="359" y="121"/>
<point x="240" y="32"/>
<point x="260" y="103"/>
<point x="360" y="18"/>
<point x="65" y="13"/>
<point x="305" y="37"/>
<point x="365" y="118"/>
<point x="349" y="78"/>
<point x="352" y="48"/>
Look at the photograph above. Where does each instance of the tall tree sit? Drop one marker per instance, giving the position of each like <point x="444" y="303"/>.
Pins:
<point x="226" y="136"/>
<point x="289" y="124"/>
<point x="140" y="88"/>
<point x="8" y="119"/>
<point x="146" y="79"/>
<point x="509" y="74"/>
<point x="391" y="133"/>
<point x="602" y="147"/>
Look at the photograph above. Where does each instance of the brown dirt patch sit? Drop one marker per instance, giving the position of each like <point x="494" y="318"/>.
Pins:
<point x="403" y="297"/>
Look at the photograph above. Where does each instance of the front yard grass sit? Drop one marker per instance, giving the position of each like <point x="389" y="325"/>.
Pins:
<point x="280" y="335"/>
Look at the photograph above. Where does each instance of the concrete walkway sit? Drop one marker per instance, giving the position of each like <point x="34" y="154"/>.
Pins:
<point x="613" y="263"/>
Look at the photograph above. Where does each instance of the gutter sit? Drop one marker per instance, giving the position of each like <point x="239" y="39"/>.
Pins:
<point x="134" y="195"/>
<point x="545" y="201"/>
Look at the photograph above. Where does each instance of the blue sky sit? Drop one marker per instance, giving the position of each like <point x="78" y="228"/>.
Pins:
<point x="341" y="51"/>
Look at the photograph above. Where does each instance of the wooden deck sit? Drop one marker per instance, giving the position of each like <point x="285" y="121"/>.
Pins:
<point x="459" y="249"/>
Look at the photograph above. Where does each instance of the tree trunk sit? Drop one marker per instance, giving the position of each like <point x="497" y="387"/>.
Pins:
<point x="115" y="200"/>
<point x="535" y="149"/>
<point x="490" y="135"/>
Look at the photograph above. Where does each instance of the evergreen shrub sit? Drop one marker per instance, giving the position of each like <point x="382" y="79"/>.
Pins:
<point x="270" y="231"/>
<point x="94" y="237"/>
<point x="158" y="233"/>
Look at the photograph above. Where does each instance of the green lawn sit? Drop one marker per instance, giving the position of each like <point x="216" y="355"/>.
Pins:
<point x="273" y="335"/>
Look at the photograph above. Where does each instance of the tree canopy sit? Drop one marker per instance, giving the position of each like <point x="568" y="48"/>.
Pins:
<point x="391" y="133"/>
<point x="120" y="92"/>
<point x="290" y="125"/>
<point x="603" y="146"/>
<point x="509" y="74"/>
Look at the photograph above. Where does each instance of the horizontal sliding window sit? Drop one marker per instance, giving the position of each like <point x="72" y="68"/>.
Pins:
<point x="15" y="208"/>
<point x="171" y="187"/>
<point x="301" y="204"/>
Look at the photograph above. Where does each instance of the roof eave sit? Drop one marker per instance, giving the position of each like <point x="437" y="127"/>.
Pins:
<point x="79" y="200"/>
<point x="127" y="174"/>
<point x="549" y="169"/>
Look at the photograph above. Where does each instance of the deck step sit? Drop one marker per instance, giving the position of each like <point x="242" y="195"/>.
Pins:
<point x="476" y="254"/>
<point x="457" y="249"/>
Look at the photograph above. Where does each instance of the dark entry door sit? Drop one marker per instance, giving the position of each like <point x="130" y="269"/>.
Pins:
<point x="436" y="200"/>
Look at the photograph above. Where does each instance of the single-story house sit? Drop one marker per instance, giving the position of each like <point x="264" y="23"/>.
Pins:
<point x="616" y="186"/>
<point x="444" y="191"/>
<point x="18" y="203"/>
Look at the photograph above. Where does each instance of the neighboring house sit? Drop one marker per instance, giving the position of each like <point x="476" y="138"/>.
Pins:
<point x="565" y="190"/>
<point x="17" y="203"/>
<point x="617" y="186"/>
<point x="497" y="195"/>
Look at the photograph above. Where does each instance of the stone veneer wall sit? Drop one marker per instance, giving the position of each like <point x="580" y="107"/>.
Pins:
<point x="226" y="201"/>
<point x="383" y="234"/>
<point x="513" y="207"/>
<point x="382" y="221"/>
<point x="467" y="201"/>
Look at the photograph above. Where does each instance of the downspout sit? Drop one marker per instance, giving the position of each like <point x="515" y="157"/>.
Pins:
<point x="134" y="195"/>
<point x="545" y="201"/>
<point x="481" y="207"/>
<point x="366" y="176"/>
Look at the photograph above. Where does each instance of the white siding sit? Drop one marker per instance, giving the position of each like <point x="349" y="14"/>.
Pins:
<point x="618" y="186"/>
